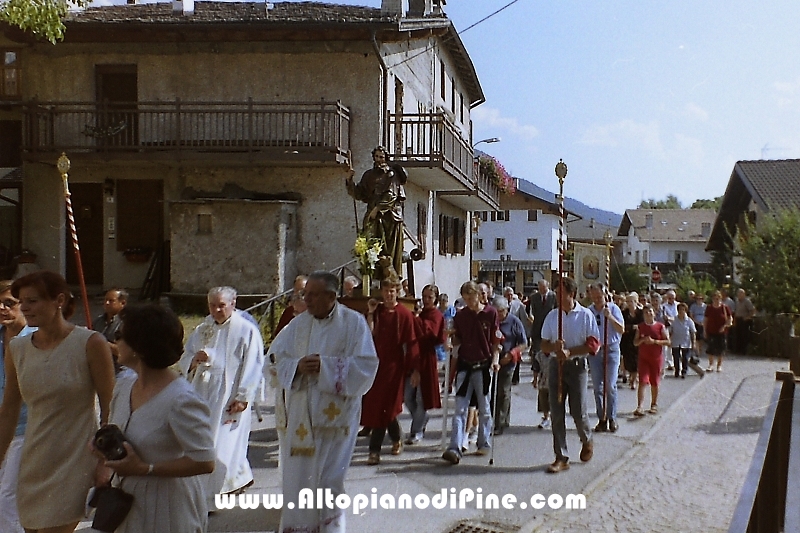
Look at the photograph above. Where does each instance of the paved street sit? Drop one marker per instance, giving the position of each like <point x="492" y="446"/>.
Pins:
<point x="680" y="470"/>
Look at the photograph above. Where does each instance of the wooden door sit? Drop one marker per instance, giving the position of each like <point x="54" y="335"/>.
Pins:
<point x="87" y="204"/>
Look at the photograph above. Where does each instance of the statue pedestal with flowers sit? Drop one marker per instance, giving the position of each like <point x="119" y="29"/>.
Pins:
<point x="367" y="251"/>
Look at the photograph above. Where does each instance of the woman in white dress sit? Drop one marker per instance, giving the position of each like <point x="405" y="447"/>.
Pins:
<point x="166" y="425"/>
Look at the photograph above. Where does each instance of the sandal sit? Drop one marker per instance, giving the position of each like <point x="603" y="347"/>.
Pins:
<point x="653" y="409"/>
<point x="374" y="458"/>
<point x="638" y="412"/>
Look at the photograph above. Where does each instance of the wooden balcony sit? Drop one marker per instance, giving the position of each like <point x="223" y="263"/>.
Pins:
<point x="438" y="157"/>
<point x="291" y="132"/>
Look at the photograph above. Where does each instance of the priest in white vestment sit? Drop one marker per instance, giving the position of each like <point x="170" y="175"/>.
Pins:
<point x="223" y="359"/>
<point x="325" y="361"/>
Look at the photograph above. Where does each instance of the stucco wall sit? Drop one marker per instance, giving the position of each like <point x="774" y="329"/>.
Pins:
<point x="44" y="223"/>
<point x="246" y="248"/>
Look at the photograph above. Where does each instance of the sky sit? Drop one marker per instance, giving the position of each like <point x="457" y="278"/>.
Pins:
<point x="640" y="98"/>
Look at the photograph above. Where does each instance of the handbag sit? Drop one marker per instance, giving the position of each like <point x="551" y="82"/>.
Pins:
<point x="112" y="505"/>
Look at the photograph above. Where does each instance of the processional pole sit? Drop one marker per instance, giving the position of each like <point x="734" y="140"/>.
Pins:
<point x="63" y="168"/>
<point x="607" y="238"/>
<point x="561" y="173"/>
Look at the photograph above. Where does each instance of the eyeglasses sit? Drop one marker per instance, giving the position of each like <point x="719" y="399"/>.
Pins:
<point x="9" y="304"/>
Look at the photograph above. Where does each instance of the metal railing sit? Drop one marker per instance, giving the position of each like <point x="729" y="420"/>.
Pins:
<point x="431" y="139"/>
<point x="176" y="126"/>
<point x="267" y="312"/>
<point x="770" y="498"/>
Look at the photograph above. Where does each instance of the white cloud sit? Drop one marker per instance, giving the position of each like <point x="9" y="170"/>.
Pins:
<point x="490" y="119"/>
<point x="626" y="133"/>
<point x="696" y="112"/>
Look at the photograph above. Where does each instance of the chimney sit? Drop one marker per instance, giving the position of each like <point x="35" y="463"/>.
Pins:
<point x="183" y="7"/>
<point x="419" y="8"/>
<point x="392" y="7"/>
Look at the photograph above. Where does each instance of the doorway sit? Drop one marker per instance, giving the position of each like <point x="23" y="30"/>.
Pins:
<point x="87" y="204"/>
<point x="117" y="97"/>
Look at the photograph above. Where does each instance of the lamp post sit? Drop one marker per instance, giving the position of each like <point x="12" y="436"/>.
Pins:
<point x="608" y="238"/>
<point x="63" y="165"/>
<point x="490" y="140"/>
<point x="561" y="174"/>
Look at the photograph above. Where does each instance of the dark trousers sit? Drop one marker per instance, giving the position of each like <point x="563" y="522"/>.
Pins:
<point x="681" y="358"/>
<point x="377" y="435"/>
<point x="742" y="334"/>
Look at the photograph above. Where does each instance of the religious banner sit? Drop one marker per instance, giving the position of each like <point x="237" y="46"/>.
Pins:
<point x="590" y="264"/>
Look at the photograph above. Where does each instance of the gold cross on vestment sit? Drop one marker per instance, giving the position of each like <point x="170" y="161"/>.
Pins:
<point x="301" y="432"/>
<point x="331" y="411"/>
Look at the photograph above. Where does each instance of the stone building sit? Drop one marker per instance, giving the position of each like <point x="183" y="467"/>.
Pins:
<point x="216" y="137"/>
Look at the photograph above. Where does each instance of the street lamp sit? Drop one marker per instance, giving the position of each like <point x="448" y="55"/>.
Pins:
<point x="490" y="140"/>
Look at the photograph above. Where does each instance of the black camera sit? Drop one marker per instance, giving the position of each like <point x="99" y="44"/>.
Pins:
<point x="109" y="441"/>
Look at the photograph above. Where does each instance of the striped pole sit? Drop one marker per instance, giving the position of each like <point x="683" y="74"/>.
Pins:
<point x="63" y="168"/>
<point x="561" y="173"/>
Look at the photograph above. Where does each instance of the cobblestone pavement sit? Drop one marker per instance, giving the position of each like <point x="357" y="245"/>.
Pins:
<point x="685" y="473"/>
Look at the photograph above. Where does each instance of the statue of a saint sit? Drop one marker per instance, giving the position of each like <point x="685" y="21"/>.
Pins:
<point x="381" y="188"/>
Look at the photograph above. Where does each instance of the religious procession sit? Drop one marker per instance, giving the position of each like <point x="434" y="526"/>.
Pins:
<point x="146" y="425"/>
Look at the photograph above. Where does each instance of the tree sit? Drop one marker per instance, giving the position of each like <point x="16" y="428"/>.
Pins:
<point x="670" y="202"/>
<point x="686" y="280"/>
<point x="40" y="17"/>
<point x="769" y="266"/>
<point x="627" y="278"/>
<point x="701" y="203"/>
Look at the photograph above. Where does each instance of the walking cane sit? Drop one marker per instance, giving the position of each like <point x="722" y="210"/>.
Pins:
<point x="605" y="366"/>
<point x="494" y="414"/>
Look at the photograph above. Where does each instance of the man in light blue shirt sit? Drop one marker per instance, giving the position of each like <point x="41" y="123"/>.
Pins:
<point x="604" y="311"/>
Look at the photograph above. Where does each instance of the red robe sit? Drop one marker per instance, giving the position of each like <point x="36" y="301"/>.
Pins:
<point x="430" y="333"/>
<point x="392" y="330"/>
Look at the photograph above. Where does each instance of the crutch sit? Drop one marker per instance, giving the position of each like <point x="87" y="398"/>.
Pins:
<point x="494" y="414"/>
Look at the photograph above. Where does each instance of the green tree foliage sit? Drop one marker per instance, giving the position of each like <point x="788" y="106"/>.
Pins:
<point x="702" y="203"/>
<point x="769" y="266"/>
<point x="40" y="17"/>
<point x="627" y="278"/>
<point x="670" y="202"/>
<point x="686" y="280"/>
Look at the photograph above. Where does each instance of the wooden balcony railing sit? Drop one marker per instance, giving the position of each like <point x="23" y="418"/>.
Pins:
<point x="319" y="130"/>
<point x="430" y="138"/>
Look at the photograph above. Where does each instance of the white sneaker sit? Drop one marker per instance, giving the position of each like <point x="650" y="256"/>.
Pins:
<point x="472" y="438"/>
<point x="545" y="423"/>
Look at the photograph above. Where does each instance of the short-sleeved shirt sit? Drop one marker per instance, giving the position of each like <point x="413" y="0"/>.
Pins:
<point x="613" y="335"/>
<point x="23" y="413"/>
<point x="578" y="325"/>
<point x="478" y="332"/>
<point x="744" y="308"/>
<point x="716" y="318"/>
<point x="682" y="333"/>
<point x="698" y="311"/>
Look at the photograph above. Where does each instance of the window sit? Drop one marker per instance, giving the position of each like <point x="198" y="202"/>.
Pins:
<point x="479" y="244"/>
<point x="502" y="216"/>
<point x="533" y="244"/>
<point x="705" y="230"/>
<point x="453" y="96"/>
<point x="11" y="86"/>
<point x="638" y="257"/>
<point x="494" y="216"/>
<point x="533" y="215"/>
<point x="452" y="235"/>
<point x="443" y="77"/>
<point x="499" y="244"/>
<point x="484" y="215"/>
<point x="461" y="107"/>
<point x="681" y="257"/>
<point x="422" y="225"/>
<point x="645" y="259"/>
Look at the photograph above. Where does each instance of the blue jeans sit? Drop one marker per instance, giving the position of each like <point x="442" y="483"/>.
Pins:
<point x="419" y="417"/>
<point x="462" y="407"/>
<point x="575" y="387"/>
<point x="612" y="367"/>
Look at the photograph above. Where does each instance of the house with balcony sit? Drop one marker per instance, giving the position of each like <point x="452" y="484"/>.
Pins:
<point x="666" y="239"/>
<point x="212" y="139"/>
<point x="517" y="245"/>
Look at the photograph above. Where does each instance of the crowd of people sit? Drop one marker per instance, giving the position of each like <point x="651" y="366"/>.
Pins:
<point x="184" y="410"/>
